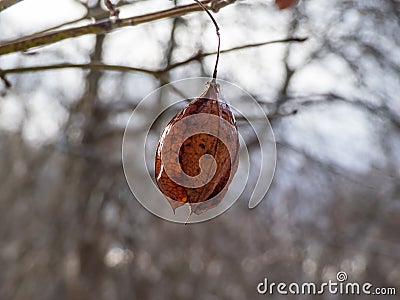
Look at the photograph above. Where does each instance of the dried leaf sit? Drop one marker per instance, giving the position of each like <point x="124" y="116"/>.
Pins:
<point x="284" y="4"/>
<point x="197" y="154"/>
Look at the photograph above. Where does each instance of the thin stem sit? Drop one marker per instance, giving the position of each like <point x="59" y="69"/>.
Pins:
<point x="218" y="35"/>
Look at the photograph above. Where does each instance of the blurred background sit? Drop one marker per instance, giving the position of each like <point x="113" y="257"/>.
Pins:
<point x="71" y="228"/>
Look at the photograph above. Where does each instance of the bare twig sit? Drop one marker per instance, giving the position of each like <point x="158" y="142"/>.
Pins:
<point x="331" y="167"/>
<point x="7" y="3"/>
<point x="156" y="73"/>
<point x="91" y="14"/>
<point x="289" y="71"/>
<point x="114" y="12"/>
<point x="100" y="27"/>
<point x="200" y="55"/>
<point x="4" y="79"/>
<point x="331" y="97"/>
<point x="89" y="66"/>
<point x="106" y="67"/>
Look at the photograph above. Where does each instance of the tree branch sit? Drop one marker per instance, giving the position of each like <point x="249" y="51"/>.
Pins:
<point x="88" y="66"/>
<point x="155" y="73"/>
<point x="7" y="3"/>
<point x="102" y="27"/>
<point x="373" y="109"/>
<point x="200" y="55"/>
<point x="326" y="164"/>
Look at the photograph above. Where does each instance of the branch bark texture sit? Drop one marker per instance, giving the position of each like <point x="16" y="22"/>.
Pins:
<point x="104" y="26"/>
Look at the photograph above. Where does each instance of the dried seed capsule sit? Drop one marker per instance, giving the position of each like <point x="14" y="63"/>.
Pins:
<point x="197" y="154"/>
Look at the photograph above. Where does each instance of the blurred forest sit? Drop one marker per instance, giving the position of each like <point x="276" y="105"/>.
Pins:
<point x="71" y="228"/>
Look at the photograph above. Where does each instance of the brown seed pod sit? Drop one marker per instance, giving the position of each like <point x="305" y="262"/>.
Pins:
<point x="197" y="154"/>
